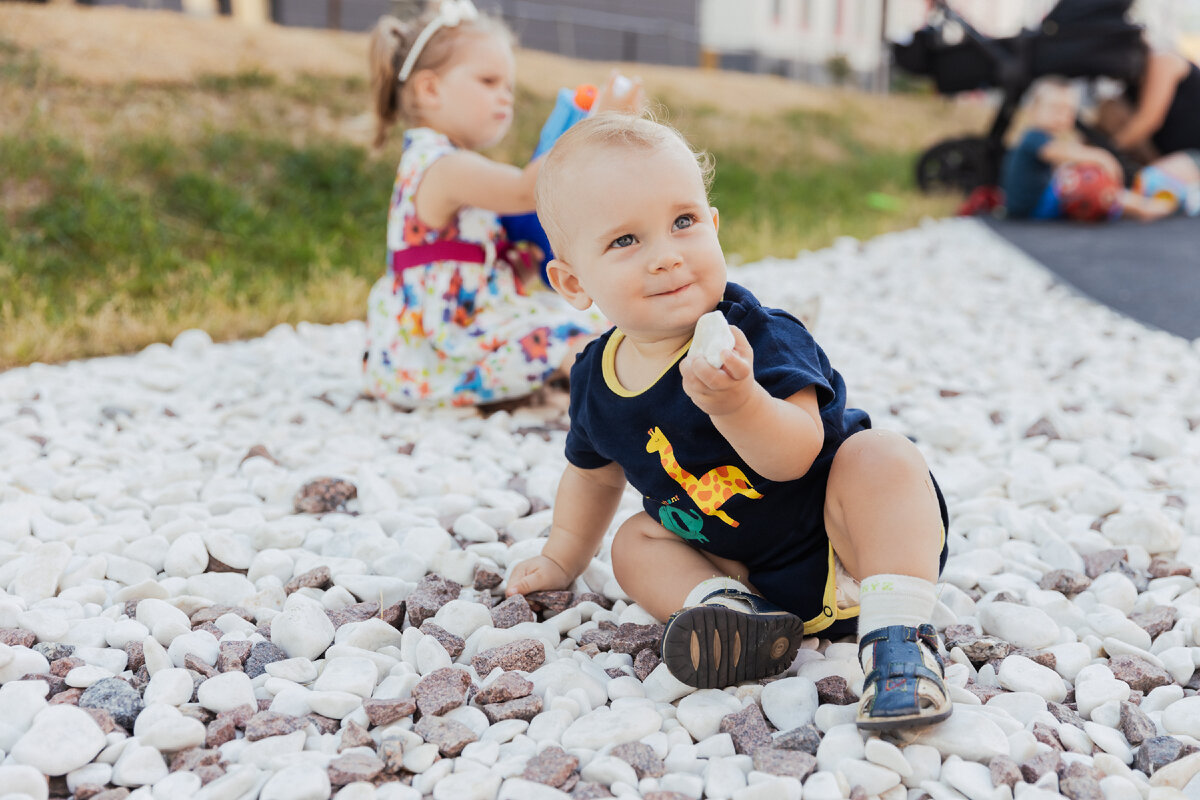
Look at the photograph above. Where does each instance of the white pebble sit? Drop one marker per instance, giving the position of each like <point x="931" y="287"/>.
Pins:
<point x="701" y="712"/>
<point x="1020" y="674"/>
<point x="171" y="686"/>
<point x="139" y="765"/>
<point x="226" y="691"/>
<point x="790" y="702"/>
<point x="62" y="738"/>
<point x="297" y="782"/>
<point x="302" y="629"/>
<point x="18" y="779"/>
<point x="713" y="336"/>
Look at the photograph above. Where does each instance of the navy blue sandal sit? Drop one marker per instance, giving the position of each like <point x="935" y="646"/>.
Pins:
<point x="904" y="685"/>
<point x="711" y="645"/>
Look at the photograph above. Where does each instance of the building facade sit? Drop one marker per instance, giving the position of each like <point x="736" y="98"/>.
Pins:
<point x="825" y="41"/>
<point x="820" y="41"/>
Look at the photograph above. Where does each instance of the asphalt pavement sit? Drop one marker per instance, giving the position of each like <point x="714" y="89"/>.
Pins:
<point x="1148" y="271"/>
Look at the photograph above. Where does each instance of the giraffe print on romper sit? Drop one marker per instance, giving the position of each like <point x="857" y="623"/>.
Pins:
<point x="709" y="492"/>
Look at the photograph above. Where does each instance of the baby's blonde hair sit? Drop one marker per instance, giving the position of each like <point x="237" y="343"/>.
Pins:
<point x="610" y="129"/>
<point x="389" y="44"/>
<point x="1051" y="84"/>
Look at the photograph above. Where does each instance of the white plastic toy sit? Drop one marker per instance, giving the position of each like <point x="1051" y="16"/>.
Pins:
<point x="713" y="337"/>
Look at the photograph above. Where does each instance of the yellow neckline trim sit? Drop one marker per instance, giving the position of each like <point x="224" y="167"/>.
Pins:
<point x="608" y="364"/>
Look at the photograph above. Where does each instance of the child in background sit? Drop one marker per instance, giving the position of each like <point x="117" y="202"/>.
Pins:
<point x="766" y="500"/>
<point x="1052" y="173"/>
<point x="454" y="321"/>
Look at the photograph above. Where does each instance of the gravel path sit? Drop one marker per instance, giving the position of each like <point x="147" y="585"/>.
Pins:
<point x="227" y="576"/>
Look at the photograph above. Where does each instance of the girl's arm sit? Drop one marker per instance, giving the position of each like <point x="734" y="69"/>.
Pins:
<point x="465" y="178"/>
<point x="584" y="506"/>
<point x="1163" y="73"/>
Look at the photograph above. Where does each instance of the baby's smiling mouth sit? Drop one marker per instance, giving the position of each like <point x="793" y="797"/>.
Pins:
<point x="669" y="292"/>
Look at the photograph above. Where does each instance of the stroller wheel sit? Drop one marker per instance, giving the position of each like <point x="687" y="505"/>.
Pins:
<point x="959" y="165"/>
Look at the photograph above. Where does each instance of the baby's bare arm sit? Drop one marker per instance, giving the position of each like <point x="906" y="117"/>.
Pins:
<point x="584" y="506"/>
<point x="778" y="439"/>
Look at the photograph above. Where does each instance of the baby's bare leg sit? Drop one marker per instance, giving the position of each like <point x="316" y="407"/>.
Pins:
<point x="881" y="511"/>
<point x="1180" y="166"/>
<point x="1146" y="209"/>
<point x="658" y="569"/>
<point x="883" y="519"/>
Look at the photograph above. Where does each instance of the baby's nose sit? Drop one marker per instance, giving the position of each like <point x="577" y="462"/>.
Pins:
<point x="667" y="257"/>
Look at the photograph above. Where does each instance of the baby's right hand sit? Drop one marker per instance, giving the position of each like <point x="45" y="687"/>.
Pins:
<point x="536" y="574"/>
<point x="631" y="101"/>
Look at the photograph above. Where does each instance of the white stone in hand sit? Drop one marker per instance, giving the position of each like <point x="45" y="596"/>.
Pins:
<point x="712" y="338"/>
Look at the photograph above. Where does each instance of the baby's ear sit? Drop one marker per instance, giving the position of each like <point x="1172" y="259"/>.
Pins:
<point x="716" y="215"/>
<point x="567" y="284"/>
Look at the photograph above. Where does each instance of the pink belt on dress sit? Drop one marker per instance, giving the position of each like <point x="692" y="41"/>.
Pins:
<point x="451" y="250"/>
<point x="524" y="257"/>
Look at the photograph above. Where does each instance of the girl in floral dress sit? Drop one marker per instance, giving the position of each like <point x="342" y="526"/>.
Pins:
<point x="460" y="317"/>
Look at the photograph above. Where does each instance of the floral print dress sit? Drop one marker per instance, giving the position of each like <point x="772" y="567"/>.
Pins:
<point x="454" y="332"/>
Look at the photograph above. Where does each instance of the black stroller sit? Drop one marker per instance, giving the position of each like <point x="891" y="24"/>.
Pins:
<point x="1077" y="39"/>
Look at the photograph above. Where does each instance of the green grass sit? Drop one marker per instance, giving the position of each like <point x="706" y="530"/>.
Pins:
<point x="239" y="81"/>
<point x="230" y="229"/>
<point x="810" y="201"/>
<point x="259" y="211"/>
<point x="112" y="238"/>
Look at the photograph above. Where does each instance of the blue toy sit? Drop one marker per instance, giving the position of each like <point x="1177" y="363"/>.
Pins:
<point x="570" y="107"/>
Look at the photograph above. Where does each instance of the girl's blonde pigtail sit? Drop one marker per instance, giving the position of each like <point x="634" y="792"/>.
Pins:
<point x="389" y="43"/>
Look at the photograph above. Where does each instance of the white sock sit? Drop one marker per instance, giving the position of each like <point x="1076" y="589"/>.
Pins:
<point x="707" y="587"/>
<point x="887" y="599"/>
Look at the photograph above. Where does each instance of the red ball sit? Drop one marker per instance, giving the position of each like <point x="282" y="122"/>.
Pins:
<point x="1086" y="192"/>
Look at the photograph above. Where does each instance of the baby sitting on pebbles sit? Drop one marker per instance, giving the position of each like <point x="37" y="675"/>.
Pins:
<point x="770" y="510"/>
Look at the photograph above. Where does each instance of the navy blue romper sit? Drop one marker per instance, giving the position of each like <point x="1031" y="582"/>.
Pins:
<point x="696" y="485"/>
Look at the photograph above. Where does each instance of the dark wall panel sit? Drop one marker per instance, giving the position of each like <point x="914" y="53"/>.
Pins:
<point x="652" y="31"/>
<point x="165" y="5"/>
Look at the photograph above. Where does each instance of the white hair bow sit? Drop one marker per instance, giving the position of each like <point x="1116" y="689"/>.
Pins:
<point x="451" y="14"/>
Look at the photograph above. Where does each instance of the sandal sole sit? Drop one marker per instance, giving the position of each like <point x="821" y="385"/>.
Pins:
<point x="911" y="721"/>
<point x="712" y="647"/>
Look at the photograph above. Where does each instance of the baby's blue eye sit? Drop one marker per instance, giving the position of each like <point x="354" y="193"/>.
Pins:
<point x="623" y="241"/>
<point x="684" y="221"/>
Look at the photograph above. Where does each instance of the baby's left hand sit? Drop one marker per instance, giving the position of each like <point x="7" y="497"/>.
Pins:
<point x="720" y="390"/>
